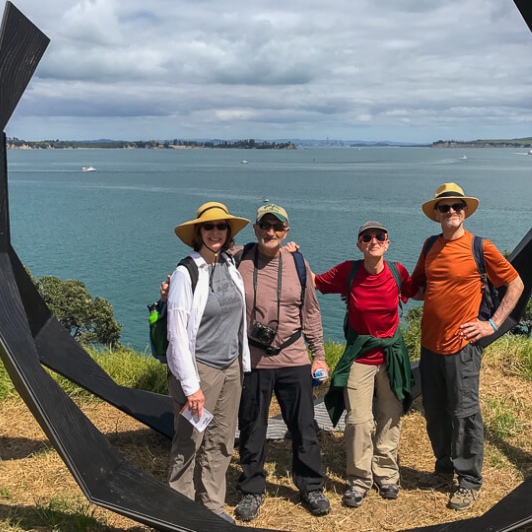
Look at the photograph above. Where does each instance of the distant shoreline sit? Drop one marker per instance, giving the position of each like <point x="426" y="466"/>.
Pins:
<point x="17" y="144"/>
<point x="524" y="144"/>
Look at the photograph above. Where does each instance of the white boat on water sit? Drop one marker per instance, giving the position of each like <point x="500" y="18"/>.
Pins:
<point x="464" y="157"/>
<point x="88" y="169"/>
<point x="530" y="152"/>
<point x="244" y="161"/>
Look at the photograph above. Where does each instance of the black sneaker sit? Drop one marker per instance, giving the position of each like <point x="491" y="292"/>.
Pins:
<point x="316" y="502"/>
<point x="389" y="491"/>
<point x="353" y="498"/>
<point x="249" y="505"/>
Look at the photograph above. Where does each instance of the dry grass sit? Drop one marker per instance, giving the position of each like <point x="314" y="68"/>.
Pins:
<point x="32" y="474"/>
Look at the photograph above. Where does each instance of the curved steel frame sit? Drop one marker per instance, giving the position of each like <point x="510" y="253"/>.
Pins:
<point x="31" y="336"/>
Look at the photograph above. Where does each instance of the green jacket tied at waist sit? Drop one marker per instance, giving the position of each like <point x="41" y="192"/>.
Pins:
<point x="397" y="368"/>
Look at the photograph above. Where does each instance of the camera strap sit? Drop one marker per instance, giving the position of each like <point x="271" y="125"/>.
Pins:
<point x="271" y="351"/>
<point x="255" y="283"/>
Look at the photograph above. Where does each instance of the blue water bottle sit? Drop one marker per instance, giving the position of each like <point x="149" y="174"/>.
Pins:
<point x="319" y="376"/>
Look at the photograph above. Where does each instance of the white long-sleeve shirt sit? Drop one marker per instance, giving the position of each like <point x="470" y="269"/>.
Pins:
<point x="185" y="310"/>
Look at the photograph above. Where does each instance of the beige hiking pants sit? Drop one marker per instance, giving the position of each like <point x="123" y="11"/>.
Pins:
<point x="371" y="440"/>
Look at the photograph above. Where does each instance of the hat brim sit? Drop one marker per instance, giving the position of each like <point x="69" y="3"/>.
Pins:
<point x="377" y="227"/>
<point x="280" y="217"/>
<point x="430" y="212"/>
<point x="185" y="231"/>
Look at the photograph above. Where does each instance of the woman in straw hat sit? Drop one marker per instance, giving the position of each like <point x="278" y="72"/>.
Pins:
<point x="207" y="354"/>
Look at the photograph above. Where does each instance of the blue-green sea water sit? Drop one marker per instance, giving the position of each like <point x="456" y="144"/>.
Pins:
<point x="113" y="229"/>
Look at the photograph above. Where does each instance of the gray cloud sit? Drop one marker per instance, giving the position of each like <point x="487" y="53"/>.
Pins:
<point x="396" y="69"/>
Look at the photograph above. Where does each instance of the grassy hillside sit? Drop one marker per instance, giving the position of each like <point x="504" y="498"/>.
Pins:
<point x="37" y="492"/>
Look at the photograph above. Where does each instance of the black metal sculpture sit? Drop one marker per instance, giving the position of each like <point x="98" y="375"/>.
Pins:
<point x="30" y="335"/>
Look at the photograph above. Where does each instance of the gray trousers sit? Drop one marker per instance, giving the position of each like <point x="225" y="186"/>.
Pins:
<point x="449" y="384"/>
<point x="199" y="460"/>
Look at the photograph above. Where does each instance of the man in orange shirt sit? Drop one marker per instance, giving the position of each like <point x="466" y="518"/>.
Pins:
<point x="450" y="328"/>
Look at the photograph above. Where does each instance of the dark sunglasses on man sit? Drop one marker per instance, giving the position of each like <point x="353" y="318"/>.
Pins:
<point x="457" y="207"/>
<point x="380" y="237"/>
<point x="266" y="226"/>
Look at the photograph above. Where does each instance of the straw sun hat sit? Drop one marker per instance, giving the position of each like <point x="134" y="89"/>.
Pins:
<point x="209" y="212"/>
<point x="449" y="191"/>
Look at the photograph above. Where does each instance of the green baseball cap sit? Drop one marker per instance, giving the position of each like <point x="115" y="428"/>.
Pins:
<point x="277" y="211"/>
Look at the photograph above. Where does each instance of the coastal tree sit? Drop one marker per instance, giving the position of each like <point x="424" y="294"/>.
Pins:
<point x="89" y="320"/>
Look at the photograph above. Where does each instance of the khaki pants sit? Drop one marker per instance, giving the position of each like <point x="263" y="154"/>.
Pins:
<point x="208" y="452"/>
<point x="371" y="443"/>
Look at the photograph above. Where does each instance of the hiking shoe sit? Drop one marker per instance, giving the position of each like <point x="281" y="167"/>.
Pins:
<point x="227" y="518"/>
<point x="353" y="498"/>
<point x="248" y="507"/>
<point x="316" y="502"/>
<point x="389" y="491"/>
<point x="463" y="499"/>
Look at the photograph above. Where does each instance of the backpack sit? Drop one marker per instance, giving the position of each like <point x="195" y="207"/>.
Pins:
<point x="157" y="318"/>
<point x="490" y="296"/>
<point x="354" y="269"/>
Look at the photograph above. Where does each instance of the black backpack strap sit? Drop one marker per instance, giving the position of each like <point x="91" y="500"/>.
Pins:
<point x="478" y="252"/>
<point x="301" y="272"/>
<point x="429" y="243"/>
<point x="239" y="255"/>
<point x="191" y="266"/>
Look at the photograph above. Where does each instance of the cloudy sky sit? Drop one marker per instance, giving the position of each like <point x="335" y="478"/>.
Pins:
<point x="400" y="70"/>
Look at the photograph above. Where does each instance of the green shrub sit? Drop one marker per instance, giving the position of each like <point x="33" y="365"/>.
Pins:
<point x="412" y="332"/>
<point x="333" y="353"/>
<point x="513" y="353"/>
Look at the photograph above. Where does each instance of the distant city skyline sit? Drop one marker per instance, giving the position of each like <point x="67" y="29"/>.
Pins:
<point x="412" y="71"/>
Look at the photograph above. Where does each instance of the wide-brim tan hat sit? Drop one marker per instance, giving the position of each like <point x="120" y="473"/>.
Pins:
<point x="449" y="191"/>
<point x="209" y="212"/>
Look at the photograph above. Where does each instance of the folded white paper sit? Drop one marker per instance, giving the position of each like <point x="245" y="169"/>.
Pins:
<point x="199" y="424"/>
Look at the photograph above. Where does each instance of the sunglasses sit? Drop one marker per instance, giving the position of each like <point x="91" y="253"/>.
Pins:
<point x="266" y="226"/>
<point x="381" y="237"/>
<point x="210" y="227"/>
<point x="457" y="207"/>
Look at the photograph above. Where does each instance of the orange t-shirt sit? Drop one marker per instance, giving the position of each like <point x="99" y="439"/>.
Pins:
<point x="453" y="289"/>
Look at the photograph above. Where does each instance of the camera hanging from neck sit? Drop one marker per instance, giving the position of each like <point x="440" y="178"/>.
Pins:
<point x="261" y="335"/>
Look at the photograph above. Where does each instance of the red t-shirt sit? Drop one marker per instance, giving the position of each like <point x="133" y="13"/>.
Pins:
<point x="372" y="302"/>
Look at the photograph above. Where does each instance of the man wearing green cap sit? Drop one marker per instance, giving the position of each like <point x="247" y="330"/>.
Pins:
<point x="450" y="330"/>
<point x="282" y="315"/>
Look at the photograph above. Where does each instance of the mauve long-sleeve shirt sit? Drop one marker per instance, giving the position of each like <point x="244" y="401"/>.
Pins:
<point x="292" y="316"/>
